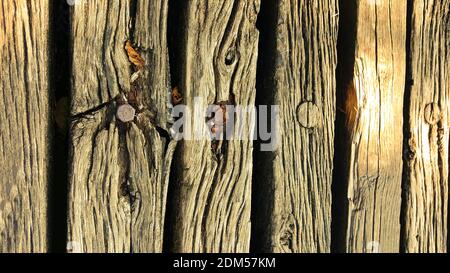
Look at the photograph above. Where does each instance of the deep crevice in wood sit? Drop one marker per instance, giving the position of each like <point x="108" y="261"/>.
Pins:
<point x="174" y="32"/>
<point x="60" y="71"/>
<point x="123" y="137"/>
<point x="409" y="82"/>
<point x="262" y="184"/>
<point x="175" y="29"/>
<point x="91" y="111"/>
<point x="447" y="32"/>
<point x="344" y="75"/>
<point x="124" y="163"/>
<point x="133" y="12"/>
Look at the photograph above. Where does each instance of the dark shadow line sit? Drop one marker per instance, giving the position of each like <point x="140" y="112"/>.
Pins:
<point x="60" y="74"/>
<point x="175" y="32"/>
<point x="344" y="75"/>
<point x="262" y="180"/>
<point x="406" y="128"/>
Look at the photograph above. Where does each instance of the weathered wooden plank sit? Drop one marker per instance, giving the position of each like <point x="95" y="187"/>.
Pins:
<point x="374" y="108"/>
<point x="24" y="125"/>
<point x="426" y="193"/>
<point x="299" y="191"/>
<point x="305" y="91"/>
<point x="150" y="34"/>
<point x="218" y="52"/>
<point x="101" y="69"/>
<point x="119" y="170"/>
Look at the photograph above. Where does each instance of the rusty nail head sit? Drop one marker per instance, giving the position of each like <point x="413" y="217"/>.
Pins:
<point x="126" y="113"/>
<point x="308" y="115"/>
<point x="432" y="113"/>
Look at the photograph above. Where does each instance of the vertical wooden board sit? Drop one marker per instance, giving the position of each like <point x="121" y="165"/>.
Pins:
<point x="149" y="170"/>
<point x="100" y="67"/>
<point x="213" y="184"/>
<point x="99" y="213"/>
<point x="426" y="203"/>
<point x="304" y="90"/>
<point x="150" y="36"/>
<point x="119" y="170"/>
<point x="24" y="125"/>
<point x="150" y="151"/>
<point x="374" y="109"/>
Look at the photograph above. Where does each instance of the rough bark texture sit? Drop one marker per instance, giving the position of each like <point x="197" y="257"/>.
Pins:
<point x="425" y="217"/>
<point x="119" y="171"/>
<point x="303" y="86"/>
<point x="374" y="109"/>
<point x="24" y="125"/>
<point x="213" y="183"/>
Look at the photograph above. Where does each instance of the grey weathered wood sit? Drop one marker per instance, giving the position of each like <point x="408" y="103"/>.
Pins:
<point x="426" y="193"/>
<point x="24" y="125"/>
<point x="299" y="190"/>
<point x="218" y="51"/>
<point x="374" y="110"/>
<point x="119" y="172"/>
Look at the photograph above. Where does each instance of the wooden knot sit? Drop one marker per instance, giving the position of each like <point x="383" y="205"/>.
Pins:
<point x="230" y="56"/>
<point x="288" y="233"/>
<point x="432" y="113"/>
<point x="308" y="114"/>
<point x="126" y="113"/>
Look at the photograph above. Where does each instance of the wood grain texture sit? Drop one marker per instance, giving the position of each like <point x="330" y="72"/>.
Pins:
<point x="119" y="171"/>
<point x="101" y="69"/>
<point x="218" y="52"/>
<point x="426" y="213"/>
<point x="24" y="125"/>
<point x="299" y="190"/>
<point x="374" y="110"/>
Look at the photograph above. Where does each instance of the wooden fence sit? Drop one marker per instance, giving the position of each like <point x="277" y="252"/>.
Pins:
<point x="88" y="162"/>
